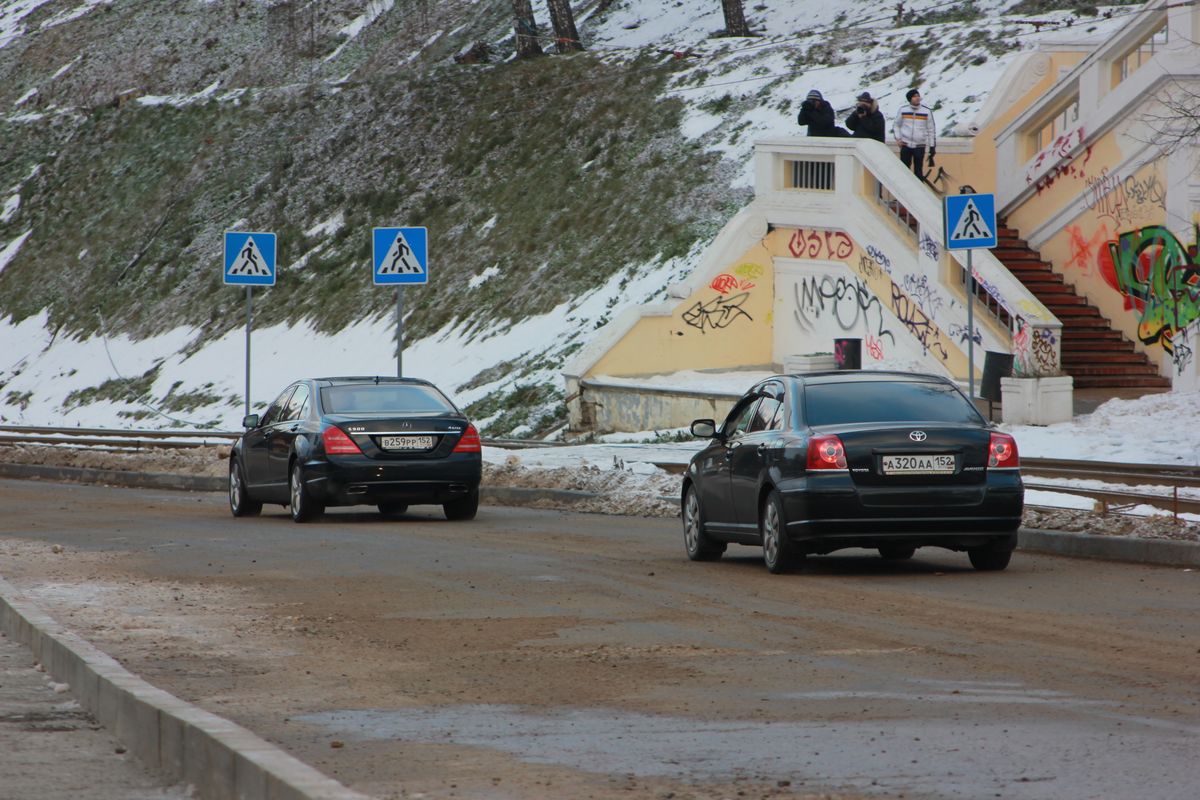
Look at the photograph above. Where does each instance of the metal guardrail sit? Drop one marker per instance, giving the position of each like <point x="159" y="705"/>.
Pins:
<point x="1172" y="475"/>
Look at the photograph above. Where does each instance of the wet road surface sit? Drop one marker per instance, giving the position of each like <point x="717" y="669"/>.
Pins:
<point x="540" y="653"/>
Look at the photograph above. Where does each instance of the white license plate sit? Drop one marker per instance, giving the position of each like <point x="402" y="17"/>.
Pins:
<point x="924" y="465"/>
<point x="406" y="442"/>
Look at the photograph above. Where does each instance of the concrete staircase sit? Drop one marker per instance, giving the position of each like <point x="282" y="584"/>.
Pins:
<point x="1094" y="354"/>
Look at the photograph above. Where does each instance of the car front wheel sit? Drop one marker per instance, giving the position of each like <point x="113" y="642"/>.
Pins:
<point x="697" y="543"/>
<point x="464" y="507"/>
<point x="989" y="559"/>
<point x="240" y="502"/>
<point x="304" y="506"/>
<point x="779" y="554"/>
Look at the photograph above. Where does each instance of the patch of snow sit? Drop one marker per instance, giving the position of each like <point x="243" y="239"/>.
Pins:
<point x="10" y="250"/>
<point x="487" y="226"/>
<point x="63" y="69"/>
<point x="10" y="208"/>
<point x="23" y="98"/>
<point x="481" y="278"/>
<point x="328" y="227"/>
<point x="75" y="13"/>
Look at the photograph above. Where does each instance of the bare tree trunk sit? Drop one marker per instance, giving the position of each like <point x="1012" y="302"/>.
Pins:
<point x="735" y="18"/>
<point x="526" y="29"/>
<point x="566" y="38"/>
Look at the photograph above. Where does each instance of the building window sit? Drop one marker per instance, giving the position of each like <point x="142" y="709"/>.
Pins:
<point x="816" y="175"/>
<point x="1142" y="52"/>
<point x="1065" y="121"/>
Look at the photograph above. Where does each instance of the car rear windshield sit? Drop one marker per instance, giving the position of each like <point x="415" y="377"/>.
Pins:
<point x="383" y="398"/>
<point x="886" y="401"/>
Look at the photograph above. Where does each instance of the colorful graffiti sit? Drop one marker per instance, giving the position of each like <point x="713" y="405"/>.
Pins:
<point x="726" y="283"/>
<point x="1160" y="279"/>
<point x="833" y="245"/>
<point x="1085" y="251"/>
<point x="718" y="313"/>
<point x="875" y="347"/>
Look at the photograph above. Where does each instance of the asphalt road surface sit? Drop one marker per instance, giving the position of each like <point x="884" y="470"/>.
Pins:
<point x="547" y="654"/>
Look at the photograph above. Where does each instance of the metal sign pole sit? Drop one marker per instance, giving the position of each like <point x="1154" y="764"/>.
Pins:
<point x="399" y="331"/>
<point x="970" y="327"/>
<point x="249" y="292"/>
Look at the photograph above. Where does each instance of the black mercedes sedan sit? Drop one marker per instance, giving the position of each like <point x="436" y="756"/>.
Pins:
<point x="389" y="442"/>
<point x="813" y="463"/>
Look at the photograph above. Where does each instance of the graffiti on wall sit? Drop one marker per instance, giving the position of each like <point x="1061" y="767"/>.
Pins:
<point x="1085" y="251"/>
<point x="960" y="334"/>
<point x="919" y="324"/>
<point x="742" y="279"/>
<point x="927" y="296"/>
<point x="875" y="347"/>
<point x="850" y="301"/>
<point x="1160" y="279"/>
<point x="1062" y="163"/>
<point x="929" y="246"/>
<point x="1125" y="202"/>
<point x="718" y="313"/>
<point x="880" y="258"/>
<point x="832" y="245"/>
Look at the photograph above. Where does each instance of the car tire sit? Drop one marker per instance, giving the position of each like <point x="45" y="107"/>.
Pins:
<point x="779" y="554"/>
<point x="392" y="509"/>
<point x="989" y="559"/>
<point x="240" y="502"/>
<point x="303" y="505"/>
<point x="464" y="507"/>
<point x="896" y="552"/>
<point x="696" y="542"/>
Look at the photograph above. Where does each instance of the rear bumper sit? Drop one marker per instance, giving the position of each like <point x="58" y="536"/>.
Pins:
<point x="829" y="512"/>
<point x="359" y="480"/>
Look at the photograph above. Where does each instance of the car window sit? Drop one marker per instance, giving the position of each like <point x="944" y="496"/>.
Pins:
<point x="276" y="408"/>
<point x="384" y="398"/>
<point x="739" y="420"/>
<point x="886" y="401"/>
<point x="767" y="410"/>
<point x="297" y="405"/>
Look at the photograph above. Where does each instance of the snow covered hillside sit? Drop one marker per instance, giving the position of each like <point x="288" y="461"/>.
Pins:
<point x="557" y="191"/>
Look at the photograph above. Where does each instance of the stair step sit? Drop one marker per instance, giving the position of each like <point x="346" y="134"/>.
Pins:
<point x="1120" y="369"/>
<point x="1064" y="298"/>
<point x="1115" y="347"/>
<point x="1084" y="312"/>
<point x="1090" y="358"/>
<point x="1118" y="381"/>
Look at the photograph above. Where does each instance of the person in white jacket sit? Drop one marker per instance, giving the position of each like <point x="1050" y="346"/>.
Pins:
<point x="915" y="130"/>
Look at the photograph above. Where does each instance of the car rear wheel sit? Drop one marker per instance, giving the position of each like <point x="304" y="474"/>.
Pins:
<point x="989" y="559"/>
<point x="304" y="506"/>
<point x="779" y="554"/>
<point x="697" y="543"/>
<point x="464" y="507"/>
<point x="392" y="509"/>
<point x="895" y="552"/>
<point x="240" y="502"/>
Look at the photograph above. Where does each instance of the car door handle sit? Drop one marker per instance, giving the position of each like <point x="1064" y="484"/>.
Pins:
<point x="762" y="449"/>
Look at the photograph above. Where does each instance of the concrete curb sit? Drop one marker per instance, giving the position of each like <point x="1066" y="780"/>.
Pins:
<point x="1162" y="552"/>
<point x="220" y="759"/>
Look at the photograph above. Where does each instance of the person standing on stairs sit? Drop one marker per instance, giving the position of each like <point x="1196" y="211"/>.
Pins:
<point x="915" y="130"/>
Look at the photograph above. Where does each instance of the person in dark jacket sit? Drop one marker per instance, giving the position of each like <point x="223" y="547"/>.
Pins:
<point x="818" y="116"/>
<point x="866" y="120"/>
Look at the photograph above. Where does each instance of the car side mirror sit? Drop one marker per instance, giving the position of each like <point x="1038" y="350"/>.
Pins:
<point x="704" y="428"/>
<point x="250" y="421"/>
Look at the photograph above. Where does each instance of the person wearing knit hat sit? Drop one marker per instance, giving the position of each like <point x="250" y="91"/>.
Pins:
<point x="817" y="115"/>
<point x="914" y="130"/>
<point x="866" y="120"/>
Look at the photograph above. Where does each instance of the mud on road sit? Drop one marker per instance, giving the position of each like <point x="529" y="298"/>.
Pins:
<point x="549" y="654"/>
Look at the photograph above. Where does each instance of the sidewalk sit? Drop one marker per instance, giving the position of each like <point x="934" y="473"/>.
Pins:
<point x="51" y="749"/>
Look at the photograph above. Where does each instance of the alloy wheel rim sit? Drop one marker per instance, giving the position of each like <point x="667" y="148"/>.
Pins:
<point x="691" y="525"/>
<point x="295" y="491"/>
<point x="771" y="534"/>
<point x="235" y="488"/>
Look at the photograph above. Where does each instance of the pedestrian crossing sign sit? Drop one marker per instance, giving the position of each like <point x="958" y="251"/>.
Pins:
<point x="970" y="221"/>
<point x="249" y="258"/>
<point x="401" y="255"/>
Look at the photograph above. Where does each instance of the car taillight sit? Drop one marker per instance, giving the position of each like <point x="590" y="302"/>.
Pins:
<point x="1002" y="452"/>
<point x="826" y="452"/>
<point x="337" y="443"/>
<point x="469" y="443"/>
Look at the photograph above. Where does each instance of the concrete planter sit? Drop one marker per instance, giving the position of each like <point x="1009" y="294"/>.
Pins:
<point x="1037" y="401"/>
<point x="821" y="362"/>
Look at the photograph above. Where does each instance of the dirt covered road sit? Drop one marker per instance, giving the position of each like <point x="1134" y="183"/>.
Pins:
<point x="548" y="654"/>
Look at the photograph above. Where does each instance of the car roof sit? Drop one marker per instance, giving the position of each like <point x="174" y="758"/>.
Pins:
<point x="869" y="375"/>
<point x="346" y="380"/>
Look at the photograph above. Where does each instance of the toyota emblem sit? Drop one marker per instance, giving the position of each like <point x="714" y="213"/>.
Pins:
<point x="917" y="436"/>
